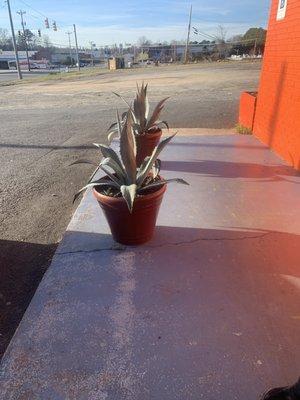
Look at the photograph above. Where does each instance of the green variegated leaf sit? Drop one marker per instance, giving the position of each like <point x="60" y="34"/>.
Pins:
<point x="129" y="193"/>
<point x="99" y="182"/>
<point x="108" y="152"/>
<point x="84" y="161"/>
<point x="116" y="168"/>
<point x="156" y="114"/>
<point x="163" y="182"/>
<point x="112" y="127"/>
<point x="156" y="169"/>
<point x="128" y="150"/>
<point x="111" y="175"/>
<point x="112" y="135"/>
<point x="144" y="163"/>
<point x="147" y="104"/>
<point x="122" y="98"/>
<point x="140" y="107"/>
<point x="164" y="123"/>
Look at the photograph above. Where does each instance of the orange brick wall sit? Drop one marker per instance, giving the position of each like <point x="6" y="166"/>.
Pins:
<point x="277" y="118"/>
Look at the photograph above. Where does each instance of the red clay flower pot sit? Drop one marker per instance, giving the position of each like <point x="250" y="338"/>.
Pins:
<point x="146" y="144"/>
<point x="136" y="228"/>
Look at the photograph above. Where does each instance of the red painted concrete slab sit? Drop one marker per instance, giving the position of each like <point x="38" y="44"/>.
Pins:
<point x="209" y="309"/>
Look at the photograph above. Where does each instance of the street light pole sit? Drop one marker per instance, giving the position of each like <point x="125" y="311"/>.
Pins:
<point x="76" y="43"/>
<point x="14" y="40"/>
<point x="70" y="50"/>
<point x="21" y="13"/>
<point x="92" y="54"/>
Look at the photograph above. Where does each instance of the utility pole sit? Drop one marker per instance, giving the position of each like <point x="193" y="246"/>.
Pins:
<point x="92" y="49"/>
<point x="255" y="45"/>
<point x="186" y="57"/>
<point x="21" y="13"/>
<point x="76" y="44"/>
<point x="70" y="49"/>
<point x="14" y="40"/>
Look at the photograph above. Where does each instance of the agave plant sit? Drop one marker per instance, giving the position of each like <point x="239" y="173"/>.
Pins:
<point x="143" y="121"/>
<point x="123" y="176"/>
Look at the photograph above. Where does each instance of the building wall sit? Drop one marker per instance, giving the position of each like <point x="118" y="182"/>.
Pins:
<point x="277" y="119"/>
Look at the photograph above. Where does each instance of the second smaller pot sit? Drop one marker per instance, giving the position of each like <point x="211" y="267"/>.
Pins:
<point x="146" y="144"/>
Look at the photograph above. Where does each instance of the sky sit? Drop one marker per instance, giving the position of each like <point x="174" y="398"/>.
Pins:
<point x="107" y="22"/>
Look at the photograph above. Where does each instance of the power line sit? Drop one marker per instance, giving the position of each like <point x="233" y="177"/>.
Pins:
<point x="34" y="9"/>
<point x="61" y="24"/>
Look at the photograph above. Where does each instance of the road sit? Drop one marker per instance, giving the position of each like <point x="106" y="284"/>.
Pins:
<point x="6" y="76"/>
<point x="47" y="125"/>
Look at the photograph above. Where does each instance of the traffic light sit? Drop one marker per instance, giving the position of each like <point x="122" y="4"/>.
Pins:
<point x="19" y="33"/>
<point x="54" y="26"/>
<point x="47" y="23"/>
<point x="39" y="33"/>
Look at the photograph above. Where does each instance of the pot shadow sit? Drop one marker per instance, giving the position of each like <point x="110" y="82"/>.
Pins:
<point x="227" y="169"/>
<point x="22" y="266"/>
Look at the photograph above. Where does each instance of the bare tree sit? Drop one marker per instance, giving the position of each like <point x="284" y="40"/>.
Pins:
<point x="5" y="40"/>
<point x="47" y="42"/>
<point x="222" y="46"/>
<point x="143" y="41"/>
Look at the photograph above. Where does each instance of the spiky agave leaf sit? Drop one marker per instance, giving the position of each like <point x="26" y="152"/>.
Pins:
<point x="129" y="193"/>
<point x="84" y="161"/>
<point x="122" y="98"/>
<point x="141" y="111"/>
<point x="99" y="182"/>
<point x="128" y="150"/>
<point x="108" y="152"/>
<point x="147" y="104"/>
<point x="156" y="114"/>
<point x="164" y="182"/>
<point x="119" y="173"/>
<point x="164" y="123"/>
<point x="141" y="107"/>
<point x="156" y="169"/>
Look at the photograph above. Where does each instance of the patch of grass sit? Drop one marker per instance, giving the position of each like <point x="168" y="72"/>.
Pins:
<point x="59" y="76"/>
<point x="243" y="130"/>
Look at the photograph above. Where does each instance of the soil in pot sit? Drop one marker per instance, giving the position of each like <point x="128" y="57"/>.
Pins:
<point x="134" y="228"/>
<point x="146" y="144"/>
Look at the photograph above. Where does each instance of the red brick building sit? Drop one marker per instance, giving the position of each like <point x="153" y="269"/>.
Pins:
<point x="274" y="116"/>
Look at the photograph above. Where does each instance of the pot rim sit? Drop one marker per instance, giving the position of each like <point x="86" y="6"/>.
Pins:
<point x="154" y="133"/>
<point x="141" y="198"/>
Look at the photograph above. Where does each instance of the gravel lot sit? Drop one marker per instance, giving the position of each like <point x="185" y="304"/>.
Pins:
<point x="47" y="125"/>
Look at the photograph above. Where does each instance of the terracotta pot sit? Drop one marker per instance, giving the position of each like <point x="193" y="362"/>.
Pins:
<point x="146" y="144"/>
<point x="136" y="228"/>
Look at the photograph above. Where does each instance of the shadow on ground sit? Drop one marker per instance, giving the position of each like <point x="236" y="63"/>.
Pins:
<point x="22" y="266"/>
<point x="227" y="169"/>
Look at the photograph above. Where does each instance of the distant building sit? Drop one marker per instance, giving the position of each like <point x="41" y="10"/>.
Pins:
<point x="61" y="56"/>
<point x="175" y="52"/>
<point x="8" y="57"/>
